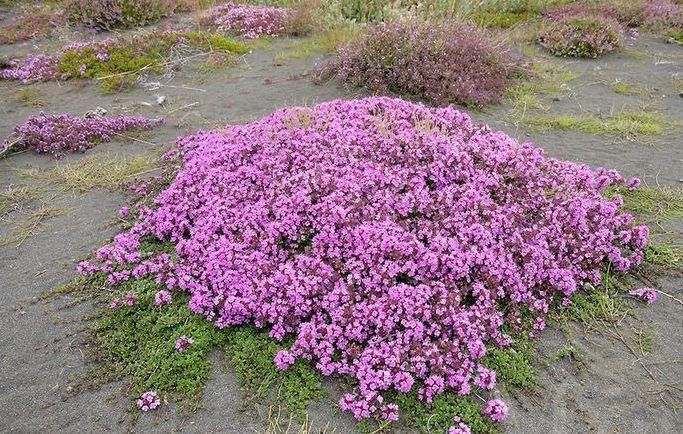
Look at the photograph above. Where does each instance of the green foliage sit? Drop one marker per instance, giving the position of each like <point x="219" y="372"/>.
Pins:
<point x="628" y="124"/>
<point x="251" y="352"/>
<point x="128" y="58"/>
<point x="514" y="365"/>
<point x="138" y="342"/>
<point x="666" y="255"/>
<point x="438" y="416"/>
<point x="503" y="20"/>
<point x="653" y="204"/>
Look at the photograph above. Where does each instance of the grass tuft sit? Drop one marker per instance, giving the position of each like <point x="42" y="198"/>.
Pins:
<point x="98" y="171"/>
<point x="632" y="125"/>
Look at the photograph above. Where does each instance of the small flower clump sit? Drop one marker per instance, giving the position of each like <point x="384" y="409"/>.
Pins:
<point x="182" y="343"/>
<point x="61" y="133"/>
<point x="649" y="295"/>
<point x="162" y="298"/>
<point x="148" y="401"/>
<point x="443" y="63"/>
<point x="248" y="21"/>
<point x="393" y="242"/>
<point x="581" y="36"/>
<point x="497" y="410"/>
<point x="32" y="68"/>
<point x="586" y="29"/>
<point x="109" y="14"/>
<point x="116" y="61"/>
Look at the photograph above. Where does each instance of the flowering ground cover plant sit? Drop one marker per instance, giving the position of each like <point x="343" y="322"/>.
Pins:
<point x="384" y="241"/>
<point x="581" y="36"/>
<point x="34" y="21"/>
<point x="110" y="14"/>
<point x="58" y="134"/>
<point x="116" y="62"/>
<point x="248" y="21"/>
<point x="589" y="29"/>
<point x="443" y="63"/>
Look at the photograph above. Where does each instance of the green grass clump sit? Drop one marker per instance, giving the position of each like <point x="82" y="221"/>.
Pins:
<point x="128" y="58"/>
<point x="503" y="20"/>
<point x="654" y="204"/>
<point x="623" y="87"/>
<point x="636" y="124"/>
<point x="666" y="255"/>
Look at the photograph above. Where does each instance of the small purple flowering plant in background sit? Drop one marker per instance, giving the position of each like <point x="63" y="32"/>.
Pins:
<point x="248" y="21"/>
<point x="388" y="242"/>
<point x="442" y="63"/>
<point x="62" y="133"/>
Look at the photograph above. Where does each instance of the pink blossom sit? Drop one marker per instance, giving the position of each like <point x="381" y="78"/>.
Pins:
<point x="497" y="410"/>
<point x="649" y="295"/>
<point x="182" y="343"/>
<point x="162" y="298"/>
<point x="148" y="401"/>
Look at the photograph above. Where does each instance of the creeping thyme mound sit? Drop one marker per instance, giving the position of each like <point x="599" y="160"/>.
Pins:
<point x="249" y="21"/>
<point x="61" y="133"/>
<point x="393" y="241"/>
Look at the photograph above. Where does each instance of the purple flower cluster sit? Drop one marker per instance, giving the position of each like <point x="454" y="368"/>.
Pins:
<point x="392" y="240"/>
<point x="109" y="14"/>
<point x="32" y="68"/>
<point x="649" y="295"/>
<point x="248" y="21"/>
<point x="57" y="134"/>
<point x="148" y="401"/>
<point x="129" y="301"/>
<point x="497" y="410"/>
<point x="652" y="14"/>
<point x="182" y="343"/>
<point x="162" y="298"/>
<point x="460" y="427"/>
<point x="443" y="63"/>
<point x="581" y="36"/>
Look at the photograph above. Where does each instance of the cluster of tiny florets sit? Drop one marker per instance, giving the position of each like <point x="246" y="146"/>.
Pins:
<point x="497" y="410"/>
<point x="162" y="298"/>
<point x="182" y="343"/>
<point x="648" y="295"/>
<point x="249" y="21"/>
<point x="58" y="134"/>
<point x="148" y="401"/>
<point x="392" y="241"/>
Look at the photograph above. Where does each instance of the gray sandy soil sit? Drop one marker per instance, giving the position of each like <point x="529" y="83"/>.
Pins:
<point x="40" y="352"/>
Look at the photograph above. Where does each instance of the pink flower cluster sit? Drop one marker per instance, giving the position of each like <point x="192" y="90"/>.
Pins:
<point x="129" y="301"/>
<point x="497" y="410"/>
<point x="148" y="401"/>
<point x="460" y="427"/>
<point x="57" y="134"/>
<point x="249" y="21"/>
<point x="649" y="295"/>
<point x="32" y="68"/>
<point x="162" y="298"/>
<point x="392" y="240"/>
<point x="182" y="343"/>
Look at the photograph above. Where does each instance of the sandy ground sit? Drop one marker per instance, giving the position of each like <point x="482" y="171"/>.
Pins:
<point x="40" y="356"/>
